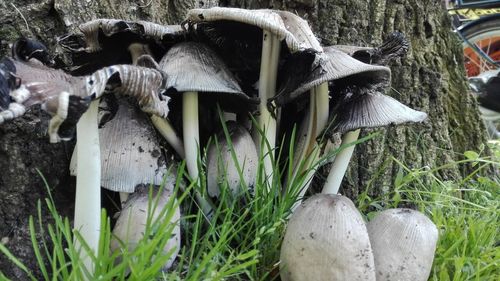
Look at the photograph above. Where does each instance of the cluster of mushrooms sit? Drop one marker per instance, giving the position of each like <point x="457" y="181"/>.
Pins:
<point x="260" y="72"/>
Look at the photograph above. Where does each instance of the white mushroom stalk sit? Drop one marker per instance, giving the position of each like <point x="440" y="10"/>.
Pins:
<point x="267" y="89"/>
<point x="191" y="133"/>
<point x="88" y="184"/>
<point x="341" y="162"/>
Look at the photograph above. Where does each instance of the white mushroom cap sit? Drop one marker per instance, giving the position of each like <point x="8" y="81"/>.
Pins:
<point x="221" y="167"/>
<point x="264" y="19"/>
<point x="404" y="243"/>
<point x="326" y="239"/>
<point x="130" y="226"/>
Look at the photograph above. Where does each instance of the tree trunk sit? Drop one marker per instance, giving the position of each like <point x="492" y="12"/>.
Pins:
<point x="430" y="79"/>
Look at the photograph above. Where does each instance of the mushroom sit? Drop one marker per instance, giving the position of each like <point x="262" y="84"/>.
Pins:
<point x="232" y="31"/>
<point x="141" y="211"/>
<point x="105" y="42"/>
<point x="66" y="97"/>
<point x="233" y="160"/>
<point x="25" y="49"/>
<point x="362" y="105"/>
<point x="403" y="243"/>
<point x="326" y="239"/>
<point x="191" y="68"/>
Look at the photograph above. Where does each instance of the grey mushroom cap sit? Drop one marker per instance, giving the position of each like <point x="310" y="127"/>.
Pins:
<point x="129" y="137"/>
<point x="194" y="67"/>
<point x="372" y="110"/>
<point x="326" y="239"/>
<point x="404" y="243"/>
<point x="329" y="65"/>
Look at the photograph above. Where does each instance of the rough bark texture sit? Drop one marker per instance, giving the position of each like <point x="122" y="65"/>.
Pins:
<point x="430" y="79"/>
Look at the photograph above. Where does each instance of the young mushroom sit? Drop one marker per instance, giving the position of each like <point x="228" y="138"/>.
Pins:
<point x="403" y="242"/>
<point x="234" y="162"/>
<point x="139" y="210"/>
<point x="326" y="239"/>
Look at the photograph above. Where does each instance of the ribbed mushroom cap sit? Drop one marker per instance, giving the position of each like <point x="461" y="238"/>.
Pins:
<point x="404" y="243"/>
<point x="263" y="19"/>
<point x="328" y="66"/>
<point x="131" y="223"/>
<point x="326" y="239"/>
<point x="130" y="151"/>
<point x="371" y="110"/>
<point x="105" y="42"/>
<point x="221" y="167"/>
<point x="194" y="67"/>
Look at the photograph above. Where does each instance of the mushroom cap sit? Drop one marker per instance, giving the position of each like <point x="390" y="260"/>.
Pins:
<point x="130" y="151"/>
<point x="105" y="42"/>
<point x="26" y="49"/>
<point x="372" y="110"/>
<point x="194" y="67"/>
<point x="404" y="243"/>
<point x="330" y="65"/>
<point x="131" y="223"/>
<point x="8" y="82"/>
<point x="264" y="19"/>
<point x="326" y="239"/>
<point x="221" y="167"/>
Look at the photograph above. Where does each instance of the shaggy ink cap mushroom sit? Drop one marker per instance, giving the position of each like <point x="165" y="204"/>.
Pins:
<point x="358" y="102"/>
<point x="404" y="244"/>
<point x="222" y="167"/>
<point x="250" y="41"/>
<point x="326" y="239"/>
<point x="194" y="68"/>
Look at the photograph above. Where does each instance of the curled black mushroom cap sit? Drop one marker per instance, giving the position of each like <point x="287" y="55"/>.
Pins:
<point x="328" y="66"/>
<point x="395" y="45"/>
<point x="26" y="49"/>
<point x="8" y="82"/>
<point x="66" y="97"/>
<point x="105" y="42"/>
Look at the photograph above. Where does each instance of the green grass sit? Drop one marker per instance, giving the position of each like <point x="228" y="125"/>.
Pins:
<point x="242" y="240"/>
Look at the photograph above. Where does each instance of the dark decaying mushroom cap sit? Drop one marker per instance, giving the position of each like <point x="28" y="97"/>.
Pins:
<point x="8" y="82"/>
<point x="395" y="45"/>
<point x="328" y="66"/>
<point x="26" y="49"/>
<point x="194" y="67"/>
<point x="129" y="138"/>
<point x="105" y="42"/>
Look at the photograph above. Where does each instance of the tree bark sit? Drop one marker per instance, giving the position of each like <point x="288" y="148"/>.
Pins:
<point x="430" y="79"/>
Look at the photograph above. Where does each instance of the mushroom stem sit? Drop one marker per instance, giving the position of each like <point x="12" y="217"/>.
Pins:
<point x="88" y="183"/>
<point x="168" y="132"/>
<point x="317" y="121"/>
<point x="267" y="89"/>
<point x="191" y="132"/>
<point x="192" y="145"/>
<point x="340" y="163"/>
